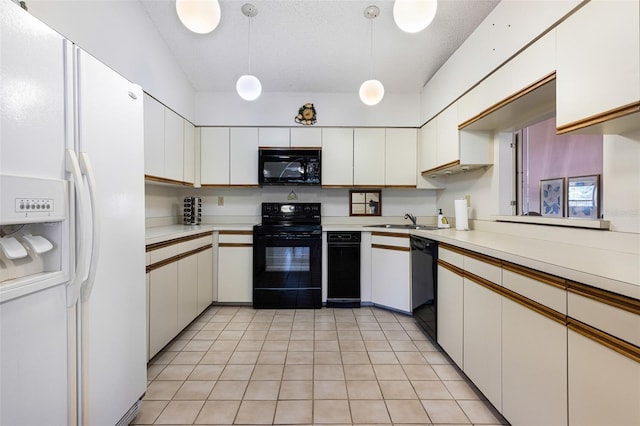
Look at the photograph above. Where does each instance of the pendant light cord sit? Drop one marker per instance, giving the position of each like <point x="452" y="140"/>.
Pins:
<point x="371" y="50"/>
<point x="249" y="41"/>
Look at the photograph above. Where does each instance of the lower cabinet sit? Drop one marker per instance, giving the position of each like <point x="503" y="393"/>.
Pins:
<point x="180" y="287"/>
<point x="534" y="367"/>
<point x="235" y="267"/>
<point x="450" y="312"/>
<point x="604" y="385"/>
<point x="163" y="306"/>
<point x="391" y="271"/>
<point x="482" y="340"/>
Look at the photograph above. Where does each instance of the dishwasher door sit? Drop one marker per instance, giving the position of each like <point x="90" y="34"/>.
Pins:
<point x="424" y="258"/>
<point x="343" y="281"/>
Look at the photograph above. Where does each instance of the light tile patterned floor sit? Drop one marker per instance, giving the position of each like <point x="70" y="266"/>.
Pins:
<point x="237" y="365"/>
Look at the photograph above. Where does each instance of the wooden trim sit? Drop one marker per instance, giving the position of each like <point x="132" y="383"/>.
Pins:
<point x="451" y="268"/>
<point x="441" y="168"/>
<point x="162" y="244"/>
<point x="166" y="180"/>
<point x="389" y="234"/>
<point x="631" y="108"/>
<point x="401" y="186"/>
<point x="297" y="148"/>
<point x="603" y="296"/>
<point x="336" y="186"/>
<point x="454" y="249"/>
<point x="627" y="349"/>
<point x="386" y="247"/>
<point x="227" y="185"/>
<point x="535" y="275"/>
<point x="176" y="258"/>
<point x="236" y="232"/>
<point x="235" y="245"/>
<point x="534" y="306"/>
<point x="484" y="258"/>
<point x="528" y="89"/>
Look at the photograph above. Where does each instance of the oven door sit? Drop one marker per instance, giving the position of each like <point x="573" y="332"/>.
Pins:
<point x="287" y="264"/>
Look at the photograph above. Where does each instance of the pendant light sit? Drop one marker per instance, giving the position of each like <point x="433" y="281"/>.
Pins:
<point x="413" y="16"/>
<point x="199" y="16"/>
<point x="248" y="86"/>
<point x="371" y="91"/>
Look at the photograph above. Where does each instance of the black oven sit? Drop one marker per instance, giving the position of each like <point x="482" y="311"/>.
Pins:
<point x="287" y="257"/>
<point x="278" y="166"/>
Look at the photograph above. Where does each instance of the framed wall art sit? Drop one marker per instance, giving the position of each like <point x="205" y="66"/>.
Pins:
<point x="583" y="196"/>
<point x="552" y="197"/>
<point x="366" y="202"/>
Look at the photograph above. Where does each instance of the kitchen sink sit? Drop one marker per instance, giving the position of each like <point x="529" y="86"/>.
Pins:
<point x="404" y="226"/>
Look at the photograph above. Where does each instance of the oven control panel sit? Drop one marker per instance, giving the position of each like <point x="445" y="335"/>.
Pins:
<point x="291" y="212"/>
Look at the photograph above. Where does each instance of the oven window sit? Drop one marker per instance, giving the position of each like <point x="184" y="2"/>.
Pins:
<point x="287" y="259"/>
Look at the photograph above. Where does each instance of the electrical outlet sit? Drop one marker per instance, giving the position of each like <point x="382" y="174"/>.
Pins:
<point x="468" y="198"/>
<point x="221" y="201"/>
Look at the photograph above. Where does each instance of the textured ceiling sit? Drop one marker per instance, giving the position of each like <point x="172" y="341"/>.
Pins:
<point x="316" y="46"/>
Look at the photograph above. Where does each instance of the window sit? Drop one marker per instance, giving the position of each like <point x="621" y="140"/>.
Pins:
<point x="543" y="155"/>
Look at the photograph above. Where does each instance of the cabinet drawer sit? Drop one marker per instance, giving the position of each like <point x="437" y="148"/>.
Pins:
<point x="235" y="237"/>
<point x="488" y="271"/>
<point x="195" y="244"/>
<point x="546" y="293"/>
<point x="390" y="240"/>
<point x="163" y="253"/>
<point x="620" y="323"/>
<point x="451" y="257"/>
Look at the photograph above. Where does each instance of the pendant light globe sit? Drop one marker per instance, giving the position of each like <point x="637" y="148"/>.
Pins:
<point x="371" y="92"/>
<point x="249" y="87"/>
<point x="199" y="16"/>
<point x="413" y="16"/>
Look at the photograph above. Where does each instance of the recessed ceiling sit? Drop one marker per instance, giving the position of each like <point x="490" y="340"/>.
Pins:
<point x="316" y="46"/>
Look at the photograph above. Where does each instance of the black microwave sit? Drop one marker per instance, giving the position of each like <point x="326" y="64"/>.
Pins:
<point x="281" y="166"/>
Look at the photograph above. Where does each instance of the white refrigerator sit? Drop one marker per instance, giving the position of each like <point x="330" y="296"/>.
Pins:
<point x="72" y="280"/>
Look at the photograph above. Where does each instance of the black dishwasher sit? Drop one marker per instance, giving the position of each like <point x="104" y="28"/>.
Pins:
<point x="424" y="259"/>
<point x="343" y="281"/>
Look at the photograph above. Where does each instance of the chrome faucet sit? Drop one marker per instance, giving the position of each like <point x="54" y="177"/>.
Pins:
<point x="411" y="217"/>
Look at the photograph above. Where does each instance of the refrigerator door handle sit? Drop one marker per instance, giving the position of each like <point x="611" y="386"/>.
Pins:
<point x="73" y="289"/>
<point x="87" y="171"/>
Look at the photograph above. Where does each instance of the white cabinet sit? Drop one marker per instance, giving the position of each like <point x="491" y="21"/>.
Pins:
<point x="428" y="138"/>
<point x="243" y="156"/>
<point x="189" y="153"/>
<point x="274" y="137"/>
<point x="598" y="63"/>
<point x="205" y="279"/>
<point x="153" y="137"/>
<point x="306" y="137"/>
<point x="368" y="157"/>
<point x="168" y="145"/>
<point x="482" y="339"/>
<point x="163" y="309"/>
<point x="337" y="157"/>
<point x="455" y="151"/>
<point x="391" y="271"/>
<point x="214" y="156"/>
<point x="173" y="145"/>
<point x="400" y="157"/>
<point x="235" y="267"/>
<point x="604" y="385"/>
<point x="534" y="367"/>
<point x="450" y="312"/>
<point x="187" y="290"/>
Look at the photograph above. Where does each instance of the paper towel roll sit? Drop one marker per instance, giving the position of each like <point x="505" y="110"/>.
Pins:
<point x="462" y="215"/>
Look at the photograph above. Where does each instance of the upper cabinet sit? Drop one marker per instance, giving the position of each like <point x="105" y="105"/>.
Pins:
<point x="445" y="149"/>
<point x="400" y="157"/>
<point x="306" y="137"/>
<point x="337" y="157"/>
<point x="294" y="137"/>
<point x="368" y="157"/>
<point x="229" y="156"/>
<point x="598" y="64"/>
<point x="274" y="137"/>
<point x="169" y="154"/>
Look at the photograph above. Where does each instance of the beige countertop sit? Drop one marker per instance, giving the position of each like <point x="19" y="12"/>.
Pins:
<point x="602" y="267"/>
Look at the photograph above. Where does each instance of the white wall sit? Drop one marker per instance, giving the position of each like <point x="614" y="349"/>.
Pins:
<point x="121" y="34"/>
<point x="332" y="109"/>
